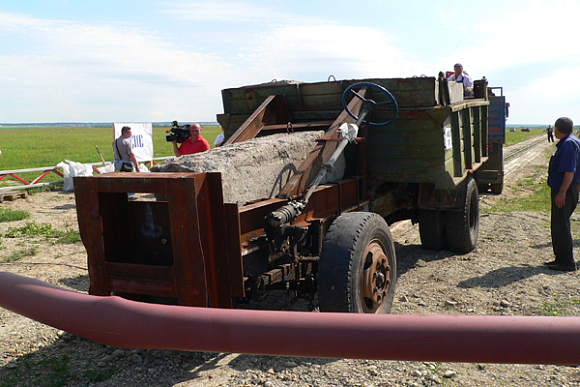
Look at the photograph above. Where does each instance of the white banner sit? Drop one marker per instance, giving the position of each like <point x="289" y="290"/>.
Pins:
<point x="141" y="139"/>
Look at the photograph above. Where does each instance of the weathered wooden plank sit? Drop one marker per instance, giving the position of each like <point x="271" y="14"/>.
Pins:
<point x="310" y="167"/>
<point x="271" y="111"/>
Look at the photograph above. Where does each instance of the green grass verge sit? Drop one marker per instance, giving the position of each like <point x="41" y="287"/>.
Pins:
<point x="538" y="199"/>
<point x="20" y="254"/>
<point x="561" y="307"/>
<point x="8" y="215"/>
<point x="52" y="371"/>
<point x="519" y="136"/>
<point x="45" y="231"/>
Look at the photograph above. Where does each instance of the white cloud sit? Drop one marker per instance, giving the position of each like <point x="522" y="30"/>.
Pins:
<point x="74" y="70"/>
<point x="315" y="51"/>
<point x="545" y="99"/>
<point x="228" y="11"/>
<point x="539" y="31"/>
<point x="103" y="72"/>
<point x="91" y="72"/>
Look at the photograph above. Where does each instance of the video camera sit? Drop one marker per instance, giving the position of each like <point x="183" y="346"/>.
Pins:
<point x="178" y="132"/>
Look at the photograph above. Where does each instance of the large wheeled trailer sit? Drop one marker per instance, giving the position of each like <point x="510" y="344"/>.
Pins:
<point x="412" y="148"/>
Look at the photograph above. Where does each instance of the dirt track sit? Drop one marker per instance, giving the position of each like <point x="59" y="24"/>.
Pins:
<point x="503" y="276"/>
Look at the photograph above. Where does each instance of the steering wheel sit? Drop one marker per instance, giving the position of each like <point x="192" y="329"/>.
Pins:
<point x="369" y="104"/>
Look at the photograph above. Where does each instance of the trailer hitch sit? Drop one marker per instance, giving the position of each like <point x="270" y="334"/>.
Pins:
<point x="279" y="227"/>
<point x="279" y="222"/>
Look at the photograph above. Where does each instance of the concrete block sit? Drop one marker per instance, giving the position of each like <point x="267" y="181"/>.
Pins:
<point x="254" y="169"/>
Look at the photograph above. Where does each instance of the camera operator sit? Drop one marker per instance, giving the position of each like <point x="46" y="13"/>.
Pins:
<point x="194" y="144"/>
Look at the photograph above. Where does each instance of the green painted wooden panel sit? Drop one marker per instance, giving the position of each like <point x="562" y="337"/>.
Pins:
<point x="411" y="92"/>
<point x="412" y="149"/>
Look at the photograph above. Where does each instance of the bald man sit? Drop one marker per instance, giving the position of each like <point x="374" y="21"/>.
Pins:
<point x="194" y="144"/>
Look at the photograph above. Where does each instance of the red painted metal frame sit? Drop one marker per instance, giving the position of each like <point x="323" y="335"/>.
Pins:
<point x="122" y="323"/>
<point x="45" y="172"/>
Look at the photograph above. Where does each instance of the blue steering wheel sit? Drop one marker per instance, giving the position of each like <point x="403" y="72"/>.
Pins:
<point x="390" y="103"/>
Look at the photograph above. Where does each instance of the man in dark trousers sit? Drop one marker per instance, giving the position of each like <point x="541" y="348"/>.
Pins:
<point x="563" y="179"/>
<point x="550" y="132"/>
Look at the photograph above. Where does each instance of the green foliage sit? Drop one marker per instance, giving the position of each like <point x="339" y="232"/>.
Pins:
<point x="19" y="254"/>
<point x="561" y="306"/>
<point x="537" y="201"/>
<point x="69" y="237"/>
<point x="8" y="215"/>
<point x="45" y="230"/>
<point x="100" y="375"/>
<point x="44" y="188"/>
<point x="51" y="371"/>
<point x="48" y="371"/>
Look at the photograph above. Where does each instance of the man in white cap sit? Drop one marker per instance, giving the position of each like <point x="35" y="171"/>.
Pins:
<point x="461" y="76"/>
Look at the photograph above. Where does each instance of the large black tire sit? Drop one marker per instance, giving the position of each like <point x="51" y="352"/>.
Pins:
<point x="357" y="271"/>
<point x="432" y="229"/>
<point x="497" y="188"/>
<point x="462" y="227"/>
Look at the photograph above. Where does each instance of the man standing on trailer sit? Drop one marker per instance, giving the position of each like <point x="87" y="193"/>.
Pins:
<point x="461" y="76"/>
<point x="563" y="179"/>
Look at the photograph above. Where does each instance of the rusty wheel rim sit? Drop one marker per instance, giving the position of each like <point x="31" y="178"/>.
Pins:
<point x="375" y="277"/>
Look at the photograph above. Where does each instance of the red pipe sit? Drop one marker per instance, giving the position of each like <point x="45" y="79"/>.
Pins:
<point x="121" y="323"/>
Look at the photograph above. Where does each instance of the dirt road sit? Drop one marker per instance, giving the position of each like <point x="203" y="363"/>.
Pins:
<point x="503" y="276"/>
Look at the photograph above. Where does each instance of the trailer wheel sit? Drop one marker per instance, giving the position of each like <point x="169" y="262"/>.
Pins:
<point x="358" y="267"/>
<point x="432" y="229"/>
<point x="462" y="227"/>
<point x="497" y="188"/>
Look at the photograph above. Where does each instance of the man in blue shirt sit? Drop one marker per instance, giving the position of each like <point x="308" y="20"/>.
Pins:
<point x="563" y="179"/>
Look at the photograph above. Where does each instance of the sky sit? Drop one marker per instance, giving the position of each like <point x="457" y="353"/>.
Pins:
<point x="152" y="61"/>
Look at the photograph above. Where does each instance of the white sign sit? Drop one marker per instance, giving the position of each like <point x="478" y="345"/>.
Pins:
<point x="447" y="138"/>
<point x="141" y="139"/>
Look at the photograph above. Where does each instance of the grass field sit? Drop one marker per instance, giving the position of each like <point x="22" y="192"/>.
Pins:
<point x="34" y="147"/>
<point x="26" y="147"/>
<point x="517" y="136"/>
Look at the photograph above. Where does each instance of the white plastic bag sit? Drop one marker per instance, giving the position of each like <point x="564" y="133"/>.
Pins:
<point x="143" y="168"/>
<point x="71" y="170"/>
<point x="107" y="168"/>
<point x="67" y="180"/>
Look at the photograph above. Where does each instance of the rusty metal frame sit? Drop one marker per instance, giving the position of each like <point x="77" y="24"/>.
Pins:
<point x="327" y="201"/>
<point x="198" y="270"/>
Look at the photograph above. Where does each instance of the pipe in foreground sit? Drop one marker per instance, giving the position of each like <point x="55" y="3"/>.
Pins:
<point x="121" y="323"/>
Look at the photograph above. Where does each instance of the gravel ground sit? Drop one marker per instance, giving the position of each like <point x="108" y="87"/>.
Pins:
<point x="504" y="275"/>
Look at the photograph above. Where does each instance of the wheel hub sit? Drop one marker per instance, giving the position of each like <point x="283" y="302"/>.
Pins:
<point x="375" y="282"/>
